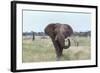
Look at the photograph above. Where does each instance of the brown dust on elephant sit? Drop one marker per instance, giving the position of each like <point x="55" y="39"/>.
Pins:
<point x="58" y="33"/>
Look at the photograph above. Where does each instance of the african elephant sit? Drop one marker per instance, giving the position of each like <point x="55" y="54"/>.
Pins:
<point x="58" y="32"/>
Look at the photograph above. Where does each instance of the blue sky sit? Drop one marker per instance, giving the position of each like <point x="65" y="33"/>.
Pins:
<point x="37" y="20"/>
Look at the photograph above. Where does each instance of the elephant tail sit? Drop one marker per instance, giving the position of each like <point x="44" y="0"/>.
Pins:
<point x="69" y="44"/>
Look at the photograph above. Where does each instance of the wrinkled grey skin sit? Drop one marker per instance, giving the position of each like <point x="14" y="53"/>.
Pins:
<point x="58" y="33"/>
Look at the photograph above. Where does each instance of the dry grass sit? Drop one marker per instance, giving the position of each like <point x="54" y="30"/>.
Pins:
<point x="41" y="50"/>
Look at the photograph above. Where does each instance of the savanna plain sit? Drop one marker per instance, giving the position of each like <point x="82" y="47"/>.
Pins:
<point x="42" y="49"/>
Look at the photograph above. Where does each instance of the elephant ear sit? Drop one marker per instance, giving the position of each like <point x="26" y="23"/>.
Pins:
<point x="69" y="30"/>
<point x="49" y="30"/>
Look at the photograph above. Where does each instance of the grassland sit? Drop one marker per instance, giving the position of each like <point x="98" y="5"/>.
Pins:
<point x="41" y="50"/>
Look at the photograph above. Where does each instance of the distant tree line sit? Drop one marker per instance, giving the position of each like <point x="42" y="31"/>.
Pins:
<point x="35" y="33"/>
<point x="87" y="33"/>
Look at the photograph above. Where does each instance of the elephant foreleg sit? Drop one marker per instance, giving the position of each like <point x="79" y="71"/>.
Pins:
<point x="58" y="50"/>
<point x="59" y="54"/>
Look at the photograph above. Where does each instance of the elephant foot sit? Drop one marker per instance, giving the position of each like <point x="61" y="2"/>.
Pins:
<point x="58" y="59"/>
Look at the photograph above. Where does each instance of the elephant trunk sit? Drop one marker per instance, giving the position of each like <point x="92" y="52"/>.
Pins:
<point x="61" y="41"/>
<point x="67" y="46"/>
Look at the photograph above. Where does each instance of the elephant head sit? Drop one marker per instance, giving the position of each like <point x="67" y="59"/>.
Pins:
<point x="58" y="33"/>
